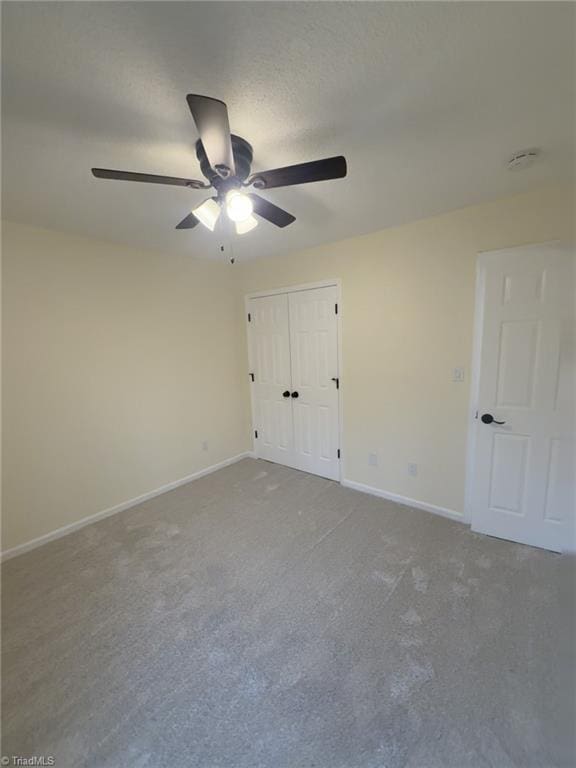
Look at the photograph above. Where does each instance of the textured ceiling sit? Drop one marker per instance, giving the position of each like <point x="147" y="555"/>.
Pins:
<point x="426" y="100"/>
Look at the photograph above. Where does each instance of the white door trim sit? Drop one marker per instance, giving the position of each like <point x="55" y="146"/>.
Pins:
<point x="333" y="283"/>
<point x="475" y="367"/>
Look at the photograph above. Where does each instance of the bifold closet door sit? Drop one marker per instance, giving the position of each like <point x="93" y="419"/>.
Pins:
<point x="272" y="404"/>
<point x="294" y="357"/>
<point x="314" y="356"/>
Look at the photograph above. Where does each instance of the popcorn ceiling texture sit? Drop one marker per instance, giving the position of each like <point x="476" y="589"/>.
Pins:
<point x="426" y="100"/>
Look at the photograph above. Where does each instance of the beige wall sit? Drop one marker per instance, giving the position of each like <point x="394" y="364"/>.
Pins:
<point x="407" y="316"/>
<point x="118" y="363"/>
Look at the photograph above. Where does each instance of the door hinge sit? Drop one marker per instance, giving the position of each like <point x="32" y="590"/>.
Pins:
<point x="251" y="376"/>
<point x="336" y="308"/>
<point x="338" y="452"/>
<point x="249" y="317"/>
<point x="255" y="433"/>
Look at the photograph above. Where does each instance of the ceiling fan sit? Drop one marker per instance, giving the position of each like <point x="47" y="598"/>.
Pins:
<point x="225" y="161"/>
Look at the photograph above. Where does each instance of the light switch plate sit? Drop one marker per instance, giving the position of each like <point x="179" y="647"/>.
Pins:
<point x="458" y="375"/>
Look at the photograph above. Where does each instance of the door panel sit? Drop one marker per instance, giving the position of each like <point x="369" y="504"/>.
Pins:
<point x="517" y="358"/>
<point x="270" y="354"/>
<point x="314" y="348"/>
<point x="558" y="467"/>
<point x="523" y="485"/>
<point x="508" y="472"/>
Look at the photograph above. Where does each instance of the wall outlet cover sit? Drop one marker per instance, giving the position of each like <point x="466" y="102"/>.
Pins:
<point x="373" y="459"/>
<point x="413" y="470"/>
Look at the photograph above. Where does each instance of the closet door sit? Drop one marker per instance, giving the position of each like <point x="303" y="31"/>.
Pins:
<point x="272" y="386"/>
<point x="314" y="356"/>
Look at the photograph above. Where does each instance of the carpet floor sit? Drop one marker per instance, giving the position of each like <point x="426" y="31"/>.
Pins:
<point x="265" y="618"/>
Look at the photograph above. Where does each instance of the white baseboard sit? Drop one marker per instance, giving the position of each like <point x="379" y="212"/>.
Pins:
<point x="66" y="529"/>
<point x="443" y="511"/>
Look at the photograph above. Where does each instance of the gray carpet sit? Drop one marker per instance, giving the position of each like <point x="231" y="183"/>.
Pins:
<point x="264" y="618"/>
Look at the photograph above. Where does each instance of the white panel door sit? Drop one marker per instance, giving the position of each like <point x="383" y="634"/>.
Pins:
<point x="523" y="486"/>
<point x="314" y="354"/>
<point x="270" y="366"/>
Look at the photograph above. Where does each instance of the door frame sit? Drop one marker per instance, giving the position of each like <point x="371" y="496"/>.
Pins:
<point x="477" y="339"/>
<point x="334" y="283"/>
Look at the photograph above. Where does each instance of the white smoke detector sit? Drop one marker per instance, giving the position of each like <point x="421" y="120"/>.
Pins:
<point x="522" y="159"/>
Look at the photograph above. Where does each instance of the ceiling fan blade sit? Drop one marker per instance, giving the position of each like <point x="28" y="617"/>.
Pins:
<point x="304" y="173"/>
<point x="211" y="118"/>
<point x="188" y="222"/>
<point x="271" y="212"/>
<point x="148" y="178"/>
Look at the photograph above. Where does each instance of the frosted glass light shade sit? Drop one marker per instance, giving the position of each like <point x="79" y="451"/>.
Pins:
<point x="208" y="213"/>
<point x="245" y="226"/>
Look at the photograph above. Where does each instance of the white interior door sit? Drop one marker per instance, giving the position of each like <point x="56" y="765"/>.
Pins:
<point x="294" y="361"/>
<point x="314" y="354"/>
<point x="523" y="486"/>
<point x="270" y="363"/>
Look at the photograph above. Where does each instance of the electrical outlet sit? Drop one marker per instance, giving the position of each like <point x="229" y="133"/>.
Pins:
<point x="412" y="470"/>
<point x="204" y="445"/>
<point x="373" y="459"/>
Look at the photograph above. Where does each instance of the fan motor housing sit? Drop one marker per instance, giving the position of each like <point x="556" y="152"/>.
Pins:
<point x="243" y="154"/>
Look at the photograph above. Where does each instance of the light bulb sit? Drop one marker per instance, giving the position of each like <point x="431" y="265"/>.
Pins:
<point x="245" y="226"/>
<point x="208" y="213"/>
<point x="238" y="206"/>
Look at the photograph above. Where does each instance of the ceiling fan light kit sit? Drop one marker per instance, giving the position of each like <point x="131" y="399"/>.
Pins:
<point x="225" y="161"/>
<point x="208" y="213"/>
<point x="239" y="207"/>
<point x="245" y="226"/>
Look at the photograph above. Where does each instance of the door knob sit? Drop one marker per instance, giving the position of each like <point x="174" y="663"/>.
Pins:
<point x="286" y="394"/>
<point x="294" y="394"/>
<point x="487" y="418"/>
